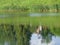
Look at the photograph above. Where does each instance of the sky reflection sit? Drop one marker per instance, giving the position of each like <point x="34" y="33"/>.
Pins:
<point x="35" y="40"/>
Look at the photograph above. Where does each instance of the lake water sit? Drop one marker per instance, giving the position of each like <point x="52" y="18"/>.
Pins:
<point x="7" y="42"/>
<point x="38" y="40"/>
<point x="30" y="14"/>
<point x="44" y="14"/>
<point x="35" y="39"/>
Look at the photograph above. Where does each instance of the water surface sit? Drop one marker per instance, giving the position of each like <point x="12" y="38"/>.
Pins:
<point x="38" y="40"/>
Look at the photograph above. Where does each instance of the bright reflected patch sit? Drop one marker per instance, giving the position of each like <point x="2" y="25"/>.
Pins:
<point x="36" y="40"/>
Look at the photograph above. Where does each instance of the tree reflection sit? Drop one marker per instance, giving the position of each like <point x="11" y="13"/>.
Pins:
<point x="46" y="34"/>
<point x="20" y="34"/>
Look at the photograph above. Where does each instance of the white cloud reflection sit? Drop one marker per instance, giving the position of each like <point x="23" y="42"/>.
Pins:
<point x="36" y="40"/>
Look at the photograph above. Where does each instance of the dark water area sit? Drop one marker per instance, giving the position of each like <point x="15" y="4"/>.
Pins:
<point x="21" y="34"/>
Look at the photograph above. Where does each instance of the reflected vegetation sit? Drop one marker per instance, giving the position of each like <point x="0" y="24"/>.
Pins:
<point x="15" y="34"/>
<point x="45" y="37"/>
<point x="20" y="34"/>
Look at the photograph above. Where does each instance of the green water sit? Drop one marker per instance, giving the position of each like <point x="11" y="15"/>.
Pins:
<point x="17" y="29"/>
<point x="20" y="34"/>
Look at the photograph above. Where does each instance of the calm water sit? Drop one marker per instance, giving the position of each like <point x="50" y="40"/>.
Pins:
<point x="30" y="14"/>
<point x="39" y="40"/>
<point x="44" y="14"/>
<point x="35" y="38"/>
<point x="7" y="43"/>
